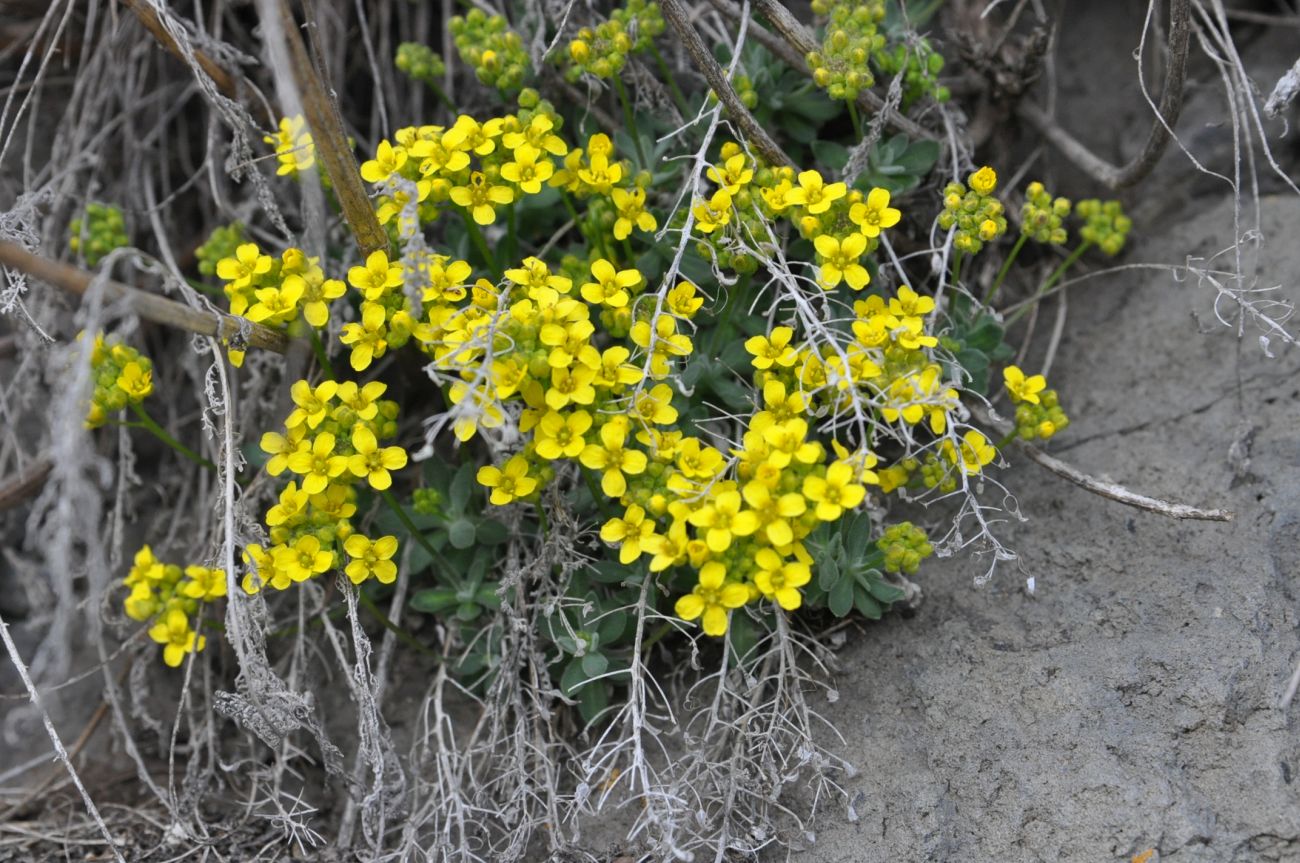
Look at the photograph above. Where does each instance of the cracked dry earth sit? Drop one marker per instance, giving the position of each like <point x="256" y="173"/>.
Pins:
<point x="1131" y="703"/>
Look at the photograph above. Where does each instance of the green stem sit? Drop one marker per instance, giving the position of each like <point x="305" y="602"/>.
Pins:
<point x="627" y="250"/>
<point x="678" y="96"/>
<point x="630" y="119"/>
<point x="512" y="233"/>
<point x="857" y="120"/>
<point x="958" y="258"/>
<point x="442" y="97"/>
<point x="480" y="244"/>
<point x="654" y="637"/>
<point x="1006" y="267"/>
<point x="1051" y="282"/>
<point x="1010" y="436"/>
<point x="415" y="532"/>
<point x="318" y="347"/>
<point x="159" y="432"/>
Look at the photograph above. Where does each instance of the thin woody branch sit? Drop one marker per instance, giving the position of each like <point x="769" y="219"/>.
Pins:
<point x="1171" y="106"/>
<point x="331" y="143"/>
<point x="225" y="82"/>
<point x="149" y="306"/>
<point x="675" y="12"/>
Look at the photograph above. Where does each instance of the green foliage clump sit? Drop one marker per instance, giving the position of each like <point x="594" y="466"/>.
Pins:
<point x="221" y="243"/>
<point x="99" y="231"/>
<point x="1105" y="224"/>
<point x="920" y="65"/>
<point x="853" y="35"/>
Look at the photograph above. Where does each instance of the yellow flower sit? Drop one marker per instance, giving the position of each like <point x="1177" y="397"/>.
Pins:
<point x="734" y="173"/>
<point x="248" y="263"/>
<point x="775" y="348"/>
<point x="610" y="285"/>
<point x="714" y="213"/>
<point x="835" y="493"/>
<point x="976" y="452"/>
<point x="204" y="584"/>
<point x="318" y="465"/>
<point x="371" y="558"/>
<point x="315" y="299"/>
<point x="910" y="304"/>
<point x="312" y="404"/>
<point x="631" y="212"/>
<point x="372" y="461"/>
<point x="813" y="193"/>
<point x="631" y="533"/>
<point x="571" y="384"/>
<point x="529" y="169"/>
<point x="509" y="482"/>
<point x="655" y="406"/>
<point x="304" y="559"/>
<point x="293" y="146"/>
<point x="613" y="458"/>
<point x="779" y="579"/>
<point x="280" y="447"/>
<point x="291" y="508"/>
<point x="447" y="280"/>
<point x="1021" y="388"/>
<point x="277" y="305"/>
<point x="361" y="400"/>
<point x="262" y="570"/>
<point x="874" y="214"/>
<point x="137" y="382"/>
<point x="479" y="196"/>
<point x="538" y="134"/>
<point x="535" y="276"/>
<point x="840" y="261"/>
<point x="683" y="302"/>
<point x="388" y="161"/>
<point x="615" y="371"/>
<point x="366" y="338"/>
<point x="711" y="599"/>
<point x="774" y="511"/>
<point x="983" y="181"/>
<point x="376" y="277"/>
<point x="558" y="436"/>
<point x="173" y="632"/>
<point x="724" y="519"/>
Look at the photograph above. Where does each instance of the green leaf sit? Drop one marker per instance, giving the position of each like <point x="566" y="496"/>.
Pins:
<point x="594" y="664"/>
<point x="433" y="601"/>
<point x="828" y="572"/>
<point x="985" y="336"/>
<point x="920" y="157"/>
<point x="609" y="571"/>
<point x="461" y="533"/>
<point x="830" y="155"/>
<point x="857" y="533"/>
<point x="573" y="677"/>
<point x="491" y="532"/>
<point x="867" y="606"/>
<point x="884" y="591"/>
<point x="840" y="598"/>
<point x="611" y="626"/>
<point x="486" y="596"/>
<point x="468" y="611"/>
<point x="741" y="635"/>
<point x="593" y="699"/>
<point x="462" y="487"/>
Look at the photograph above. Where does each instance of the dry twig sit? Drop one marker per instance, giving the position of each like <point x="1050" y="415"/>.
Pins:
<point x="225" y="82"/>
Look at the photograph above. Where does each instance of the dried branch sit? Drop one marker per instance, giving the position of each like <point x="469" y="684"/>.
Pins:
<point x="1171" y="105"/>
<point x="225" y="82"/>
<point x="676" y="13"/>
<point x="331" y="143"/>
<point x="16" y="490"/>
<point x="802" y="41"/>
<point x="1101" y="487"/>
<point x="151" y="307"/>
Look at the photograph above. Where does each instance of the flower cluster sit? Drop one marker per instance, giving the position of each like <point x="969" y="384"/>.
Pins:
<point x="294" y="149"/>
<point x="419" y="63"/>
<point x="1038" y="409"/>
<point x="277" y="291"/>
<point x="603" y="50"/>
<point x="101" y="230"/>
<point x="1042" y="218"/>
<point x="1105" y="224"/>
<point x="494" y="51"/>
<point x="122" y="376"/>
<point x="852" y="37"/>
<point x="169" y="597"/>
<point x="223" y="242"/>
<point x="904" y="546"/>
<point x="978" y="216"/>
<point x="331" y="443"/>
<point x="920" y="65"/>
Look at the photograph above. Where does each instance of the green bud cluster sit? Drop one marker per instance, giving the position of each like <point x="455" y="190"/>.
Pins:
<point x="852" y="37"/>
<point x="642" y="20"/>
<point x="1105" y="224"/>
<point x="101" y="230"/>
<point x="496" y="53"/>
<point x="601" y="51"/>
<point x="1043" y="420"/>
<point x="121" y="375"/>
<point x="937" y="473"/>
<point x="979" y="217"/>
<point x="221" y="243"/>
<point x="904" y="545"/>
<point x="920" y="65"/>
<point x="1042" y="218"/>
<point x="419" y="63"/>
